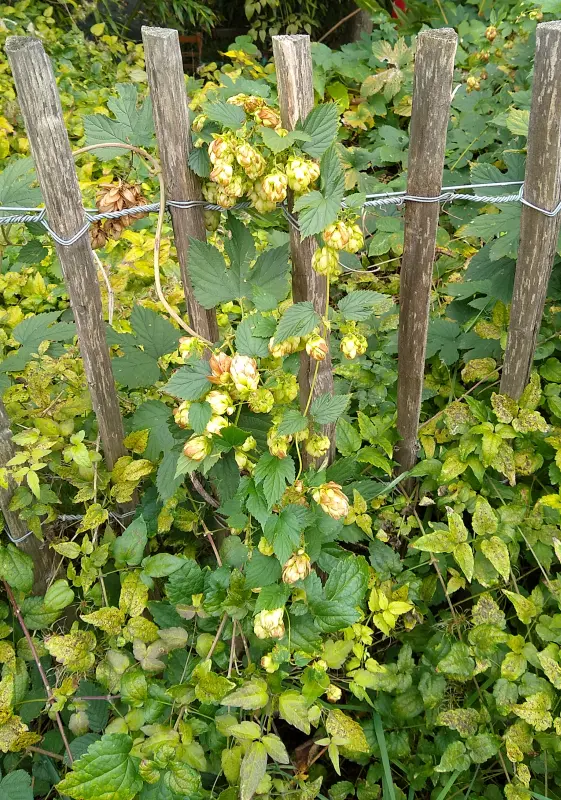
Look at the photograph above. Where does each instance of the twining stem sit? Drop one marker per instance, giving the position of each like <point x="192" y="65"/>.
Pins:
<point x="217" y="637"/>
<point x="159" y="225"/>
<point x="48" y="753"/>
<point x="37" y="660"/>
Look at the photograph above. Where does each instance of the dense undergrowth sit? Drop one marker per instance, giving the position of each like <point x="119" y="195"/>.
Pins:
<point x="258" y="627"/>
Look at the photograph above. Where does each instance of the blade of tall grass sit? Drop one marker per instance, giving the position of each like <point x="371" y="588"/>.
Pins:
<point x="387" y="782"/>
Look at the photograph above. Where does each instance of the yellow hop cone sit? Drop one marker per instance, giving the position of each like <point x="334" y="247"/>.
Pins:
<point x="316" y="347"/>
<point x="244" y="373"/>
<point x="197" y="448"/>
<point x="331" y="498"/>
<point x="296" y="568"/>
<point x="269" y="624"/>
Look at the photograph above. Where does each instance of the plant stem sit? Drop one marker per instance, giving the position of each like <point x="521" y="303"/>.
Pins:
<point x="217" y="637"/>
<point x="37" y="660"/>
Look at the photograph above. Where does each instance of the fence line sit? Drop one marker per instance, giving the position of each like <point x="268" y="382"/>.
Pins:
<point x="432" y="94"/>
<point x="538" y="232"/>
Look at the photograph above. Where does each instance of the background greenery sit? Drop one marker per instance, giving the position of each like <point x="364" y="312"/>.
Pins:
<point x="420" y="655"/>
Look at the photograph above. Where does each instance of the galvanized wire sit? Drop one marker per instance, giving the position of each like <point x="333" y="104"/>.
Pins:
<point x="448" y="194"/>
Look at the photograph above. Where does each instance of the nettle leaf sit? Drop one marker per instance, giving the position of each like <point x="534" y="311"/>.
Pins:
<point x="16" y="568"/>
<point x="190" y="382"/>
<point x="106" y="772"/>
<point x="321" y="125"/>
<point x="17" y="786"/>
<point x="298" y="320"/>
<point x="319" y="208"/>
<point x="156" y="335"/>
<point x="361" y="304"/>
<point x="252" y="771"/>
<point x="226" y="114"/>
<point x="496" y="551"/>
<point x="128" y="548"/>
<point x="328" y="408"/>
<point x="293" y="708"/>
<point x="132" y="123"/>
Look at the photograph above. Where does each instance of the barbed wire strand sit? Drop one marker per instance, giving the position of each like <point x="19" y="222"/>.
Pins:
<point x="448" y="194"/>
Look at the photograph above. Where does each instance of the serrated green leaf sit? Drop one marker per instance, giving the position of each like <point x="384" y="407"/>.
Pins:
<point x="199" y="416"/>
<point x="199" y="162"/>
<point x="274" y="473"/>
<point x="250" y="696"/>
<point x="293" y="421"/>
<point x="496" y="551"/>
<point x="135" y="369"/>
<point x="318" y="209"/>
<point x="226" y="114"/>
<point x="275" y="748"/>
<point x="16" y="786"/>
<point x="361" y="304"/>
<point x="277" y="144"/>
<point x="16" y="568"/>
<point x="132" y="124"/>
<point x="321" y="124"/>
<point x="294" y="710"/>
<point x="106" y="772"/>
<point x="328" y="408"/>
<point x="156" y="335"/>
<point x="185" y="582"/>
<point x="190" y="382"/>
<point x="298" y="320"/>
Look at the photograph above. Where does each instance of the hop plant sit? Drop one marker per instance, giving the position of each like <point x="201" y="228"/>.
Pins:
<point x="274" y="186"/>
<point x="197" y="448"/>
<point x="333" y="693"/>
<point x="220" y="368"/>
<point x="278" y="445"/>
<point x="284" y="348"/>
<point x="222" y="173"/>
<point x="261" y="401"/>
<point x="259" y="201"/>
<point x="181" y="414"/>
<point x="297" y="567"/>
<point x="250" y="160"/>
<point x="267" y="117"/>
<point x="212" y="220"/>
<point x="286" y="389"/>
<point x="336" y="235"/>
<point x="325" y="261"/>
<point x="220" y="151"/>
<point x="220" y="402"/>
<point x="210" y="192"/>
<point x="353" y="345"/>
<point x="331" y="498"/>
<point x="235" y="187"/>
<point x="269" y="624"/>
<point x="301" y="173"/>
<point x="244" y="373"/>
<point x="317" y="445"/>
<point x="199" y="122"/>
<point x="226" y="200"/>
<point x="215" y="424"/>
<point x="356" y="239"/>
<point x="316" y="347"/>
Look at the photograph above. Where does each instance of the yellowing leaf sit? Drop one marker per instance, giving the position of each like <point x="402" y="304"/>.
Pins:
<point x="137" y="441"/>
<point x="463" y="555"/>
<point x="484" y="520"/>
<point x="496" y="551"/>
<point x="108" y="619"/>
<point x="95" y="516"/>
<point x="525" y="608"/>
<point x="346" y="731"/>
<point x="137" y="470"/>
<point x="98" y="29"/>
<point x="75" y="650"/>
<point x="134" y="595"/>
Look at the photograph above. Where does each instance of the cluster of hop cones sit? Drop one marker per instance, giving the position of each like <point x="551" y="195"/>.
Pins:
<point x="115" y="197"/>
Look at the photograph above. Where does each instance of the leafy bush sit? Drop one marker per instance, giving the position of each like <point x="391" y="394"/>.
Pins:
<point x="260" y="622"/>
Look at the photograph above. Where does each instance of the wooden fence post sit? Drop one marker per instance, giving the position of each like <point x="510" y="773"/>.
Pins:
<point x="40" y="106"/>
<point x="538" y="232"/>
<point x="166" y="80"/>
<point x="432" y="87"/>
<point x="42" y="556"/>
<point x="293" y="64"/>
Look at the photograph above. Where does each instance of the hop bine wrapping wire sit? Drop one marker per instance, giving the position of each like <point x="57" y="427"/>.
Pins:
<point x="448" y="194"/>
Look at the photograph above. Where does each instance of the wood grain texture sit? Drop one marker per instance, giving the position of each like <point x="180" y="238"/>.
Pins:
<point x="40" y="106"/>
<point x="166" y="80"/>
<point x="43" y="559"/>
<point x="432" y="87"/>
<point x="538" y="233"/>
<point x="293" y="64"/>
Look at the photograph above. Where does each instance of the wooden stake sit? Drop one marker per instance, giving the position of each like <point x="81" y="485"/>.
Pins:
<point x="43" y="561"/>
<point x="538" y="232"/>
<point x="40" y="106"/>
<point x="432" y="88"/>
<point x="171" y="119"/>
<point x="293" y="64"/>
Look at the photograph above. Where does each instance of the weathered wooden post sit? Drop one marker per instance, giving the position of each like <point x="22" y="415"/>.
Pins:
<point x="171" y="119"/>
<point x="538" y="232"/>
<point x="432" y="91"/>
<point x="42" y="113"/>
<point x="19" y="532"/>
<point x="293" y="64"/>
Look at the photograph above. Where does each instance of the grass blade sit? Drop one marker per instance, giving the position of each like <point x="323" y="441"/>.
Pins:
<point x="389" y="788"/>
